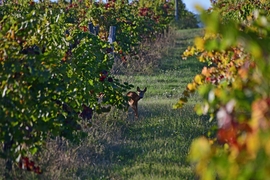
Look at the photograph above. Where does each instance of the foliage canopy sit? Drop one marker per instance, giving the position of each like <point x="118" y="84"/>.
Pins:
<point x="235" y="87"/>
<point x="52" y="69"/>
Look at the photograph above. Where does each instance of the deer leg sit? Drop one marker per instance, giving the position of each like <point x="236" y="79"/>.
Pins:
<point x="135" y="107"/>
<point x="136" y="113"/>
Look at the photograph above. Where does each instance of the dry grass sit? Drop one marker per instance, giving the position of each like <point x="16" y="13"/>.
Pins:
<point x="150" y="55"/>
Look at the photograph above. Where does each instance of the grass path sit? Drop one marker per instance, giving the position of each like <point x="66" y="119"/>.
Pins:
<point x="157" y="144"/>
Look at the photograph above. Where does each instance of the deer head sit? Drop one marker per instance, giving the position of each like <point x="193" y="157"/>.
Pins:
<point x="140" y="92"/>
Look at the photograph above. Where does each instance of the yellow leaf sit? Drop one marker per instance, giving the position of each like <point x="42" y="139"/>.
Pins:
<point x="192" y="51"/>
<point x="191" y="86"/>
<point x="200" y="149"/>
<point x="201" y="59"/>
<point x="198" y="79"/>
<point x="253" y="144"/>
<point x="178" y="105"/>
<point x="199" y="43"/>
<point x="186" y="53"/>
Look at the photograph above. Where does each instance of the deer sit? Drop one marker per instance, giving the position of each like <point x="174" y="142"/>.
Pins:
<point x="133" y="99"/>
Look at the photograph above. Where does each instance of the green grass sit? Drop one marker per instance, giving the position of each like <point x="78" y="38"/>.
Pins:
<point x="156" y="145"/>
<point x="172" y="56"/>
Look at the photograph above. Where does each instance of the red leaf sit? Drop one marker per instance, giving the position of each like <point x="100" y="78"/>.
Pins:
<point x="228" y="135"/>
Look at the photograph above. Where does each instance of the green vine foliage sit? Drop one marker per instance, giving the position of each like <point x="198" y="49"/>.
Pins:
<point x="51" y="72"/>
<point x="52" y="69"/>
<point x="234" y="86"/>
<point x="135" y="22"/>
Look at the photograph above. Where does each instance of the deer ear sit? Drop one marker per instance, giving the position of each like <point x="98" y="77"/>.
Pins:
<point x="145" y="89"/>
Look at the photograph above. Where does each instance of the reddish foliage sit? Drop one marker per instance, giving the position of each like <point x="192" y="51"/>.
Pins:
<point x="228" y="135"/>
<point x="28" y="165"/>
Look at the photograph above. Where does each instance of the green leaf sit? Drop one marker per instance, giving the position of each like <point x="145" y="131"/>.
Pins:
<point x="33" y="150"/>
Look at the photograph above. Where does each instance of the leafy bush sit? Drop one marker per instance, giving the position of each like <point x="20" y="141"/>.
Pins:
<point x="52" y="70"/>
<point x="235" y="89"/>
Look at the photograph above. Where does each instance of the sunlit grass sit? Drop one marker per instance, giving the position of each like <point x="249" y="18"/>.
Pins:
<point x="156" y="145"/>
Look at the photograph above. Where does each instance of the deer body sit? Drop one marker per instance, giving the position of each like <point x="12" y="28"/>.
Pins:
<point x="134" y="98"/>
